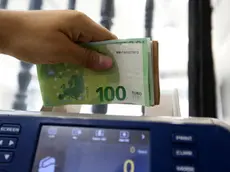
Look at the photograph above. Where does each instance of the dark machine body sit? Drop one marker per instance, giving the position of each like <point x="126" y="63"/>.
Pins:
<point x="53" y="142"/>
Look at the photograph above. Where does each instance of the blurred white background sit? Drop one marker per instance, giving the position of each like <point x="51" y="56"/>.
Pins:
<point x="170" y="29"/>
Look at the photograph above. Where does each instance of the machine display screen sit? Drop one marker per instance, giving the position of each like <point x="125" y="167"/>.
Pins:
<point x="77" y="149"/>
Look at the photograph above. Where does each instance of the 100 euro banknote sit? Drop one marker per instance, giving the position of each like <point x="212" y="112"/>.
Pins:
<point x="129" y="81"/>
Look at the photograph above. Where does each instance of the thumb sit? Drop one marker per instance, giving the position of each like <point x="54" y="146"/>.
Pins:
<point x="91" y="59"/>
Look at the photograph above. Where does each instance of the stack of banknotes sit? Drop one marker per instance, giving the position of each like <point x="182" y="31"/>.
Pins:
<point x="133" y="79"/>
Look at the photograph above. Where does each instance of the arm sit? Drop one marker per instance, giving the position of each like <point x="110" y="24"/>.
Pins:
<point x="9" y="27"/>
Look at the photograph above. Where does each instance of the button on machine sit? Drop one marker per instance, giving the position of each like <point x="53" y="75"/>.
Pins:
<point x="184" y="168"/>
<point x="10" y="129"/>
<point x="184" y="153"/>
<point x="9" y="143"/>
<point x="6" y="157"/>
<point x="183" y="138"/>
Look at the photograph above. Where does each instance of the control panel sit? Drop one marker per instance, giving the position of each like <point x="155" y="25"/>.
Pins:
<point x="56" y="142"/>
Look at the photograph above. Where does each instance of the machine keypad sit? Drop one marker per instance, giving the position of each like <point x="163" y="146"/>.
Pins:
<point x="8" y="142"/>
<point x="184" y="148"/>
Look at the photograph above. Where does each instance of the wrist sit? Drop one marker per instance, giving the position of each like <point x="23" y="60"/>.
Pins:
<point x="9" y="28"/>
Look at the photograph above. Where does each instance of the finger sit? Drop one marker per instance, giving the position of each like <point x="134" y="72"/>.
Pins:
<point x="93" y="31"/>
<point x="86" y="58"/>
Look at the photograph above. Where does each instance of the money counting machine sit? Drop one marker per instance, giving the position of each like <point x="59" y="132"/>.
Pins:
<point x="48" y="142"/>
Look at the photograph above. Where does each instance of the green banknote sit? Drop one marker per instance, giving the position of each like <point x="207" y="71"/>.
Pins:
<point x="129" y="81"/>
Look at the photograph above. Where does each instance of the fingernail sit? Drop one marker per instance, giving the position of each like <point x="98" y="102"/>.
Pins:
<point x="105" y="62"/>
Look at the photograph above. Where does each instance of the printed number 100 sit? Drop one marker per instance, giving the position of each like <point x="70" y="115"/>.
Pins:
<point x="109" y="93"/>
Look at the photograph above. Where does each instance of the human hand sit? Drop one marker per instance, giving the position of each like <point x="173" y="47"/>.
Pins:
<point x="48" y="37"/>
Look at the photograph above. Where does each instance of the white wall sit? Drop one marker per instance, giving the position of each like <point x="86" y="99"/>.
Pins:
<point x="221" y="51"/>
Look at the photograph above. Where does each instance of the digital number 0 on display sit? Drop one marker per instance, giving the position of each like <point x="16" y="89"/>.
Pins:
<point x="129" y="166"/>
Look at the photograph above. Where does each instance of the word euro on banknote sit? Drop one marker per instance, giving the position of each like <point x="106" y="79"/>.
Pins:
<point x="133" y="79"/>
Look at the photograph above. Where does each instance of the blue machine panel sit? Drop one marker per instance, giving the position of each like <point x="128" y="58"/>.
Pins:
<point x="30" y="142"/>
